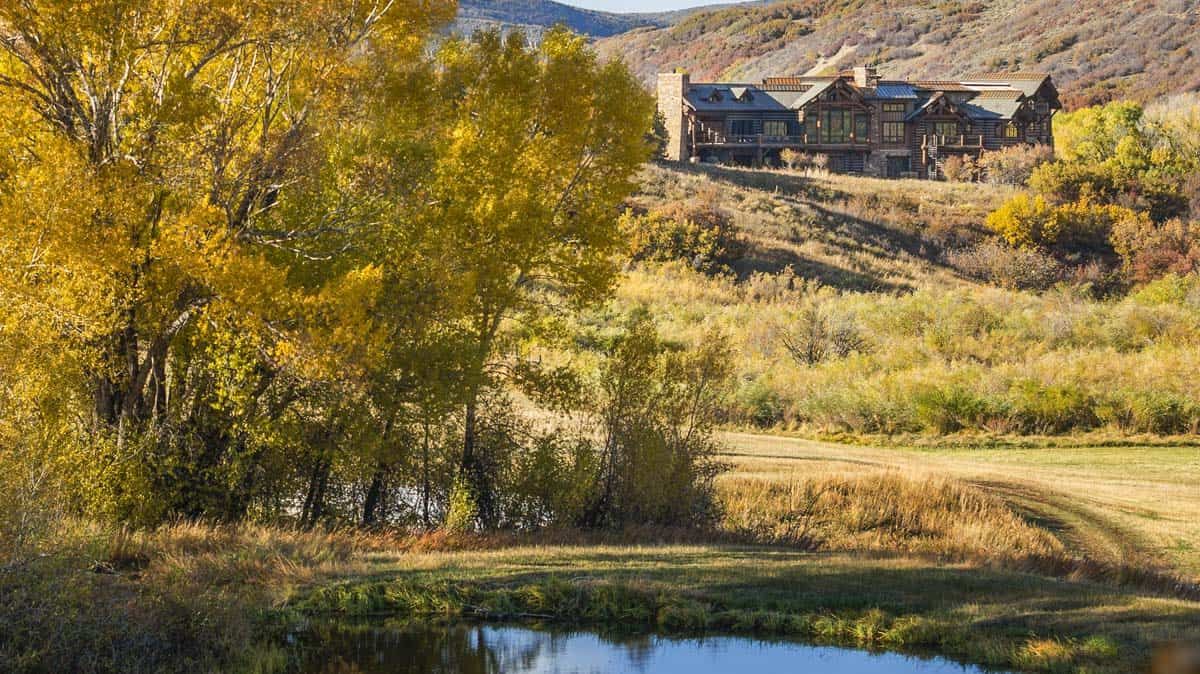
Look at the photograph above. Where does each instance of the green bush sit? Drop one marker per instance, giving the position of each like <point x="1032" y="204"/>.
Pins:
<point x="1161" y="412"/>
<point x="760" y="404"/>
<point x="1053" y="409"/>
<point x="949" y="410"/>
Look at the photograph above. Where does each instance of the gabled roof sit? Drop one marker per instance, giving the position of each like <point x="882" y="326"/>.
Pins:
<point x="938" y="98"/>
<point x="749" y="98"/>
<point x="810" y="95"/>
<point x="731" y="98"/>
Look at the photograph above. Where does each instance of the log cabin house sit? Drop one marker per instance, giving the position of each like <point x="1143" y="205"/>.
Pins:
<point x="861" y="122"/>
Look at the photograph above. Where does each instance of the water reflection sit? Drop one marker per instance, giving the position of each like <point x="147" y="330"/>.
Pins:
<point x="490" y="649"/>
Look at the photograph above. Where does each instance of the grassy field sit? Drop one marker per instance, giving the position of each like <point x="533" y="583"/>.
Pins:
<point x="1129" y="505"/>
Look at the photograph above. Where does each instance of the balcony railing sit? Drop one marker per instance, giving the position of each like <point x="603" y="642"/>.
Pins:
<point x="961" y="140"/>
<point x="714" y="138"/>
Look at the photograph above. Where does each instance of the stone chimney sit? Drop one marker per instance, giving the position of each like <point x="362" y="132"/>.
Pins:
<point x="671" y="88"/>
<point x="866" y="76"/>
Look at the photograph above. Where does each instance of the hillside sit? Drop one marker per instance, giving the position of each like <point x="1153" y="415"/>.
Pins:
<point x="1117" y="49"/>
<point x="537" y="15"/>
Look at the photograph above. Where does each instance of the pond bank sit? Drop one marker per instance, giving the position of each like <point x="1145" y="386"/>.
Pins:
<point x="990" y="617"/>
<point x="192" y="597"/>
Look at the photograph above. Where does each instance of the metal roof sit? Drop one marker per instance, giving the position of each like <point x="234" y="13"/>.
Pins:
<point x="984" y="107"/>
<point x="990" y="96"/>
<point x="895" y="90"/>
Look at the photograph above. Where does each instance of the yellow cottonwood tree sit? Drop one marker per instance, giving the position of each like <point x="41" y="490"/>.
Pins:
<point x="537" y="155"/>
<point x="170" y="180"/>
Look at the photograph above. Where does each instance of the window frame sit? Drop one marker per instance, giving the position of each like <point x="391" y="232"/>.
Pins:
<point x="939" y="127"/>
<point x="768" y="124"/>
<point x="891" y="138"/>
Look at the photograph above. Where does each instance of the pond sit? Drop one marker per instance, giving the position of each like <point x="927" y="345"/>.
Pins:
<point x="488" y="649"/>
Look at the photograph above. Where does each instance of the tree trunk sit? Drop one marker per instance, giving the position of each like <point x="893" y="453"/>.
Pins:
<point x="474" y="470"/>
<point x="315" y="496"/>
<point x="425" y="477"/>
<point x="374" y="497"/>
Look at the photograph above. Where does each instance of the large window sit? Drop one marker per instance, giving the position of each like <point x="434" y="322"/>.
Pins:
<point x="775" y="128"/>
<point x="839" y="125"/>
<point x="893" y="132"/>
<point x="835" y="125"/>
<point x="1010" y="130"/>
<point x="741" y="127"/>
<point x="945" y="128"/>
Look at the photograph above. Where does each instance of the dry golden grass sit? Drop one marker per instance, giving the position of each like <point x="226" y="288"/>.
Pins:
<point x="1133" y="507"/>
<point x="882" y="513"/>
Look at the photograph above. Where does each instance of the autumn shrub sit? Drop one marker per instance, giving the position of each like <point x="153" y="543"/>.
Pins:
<point x="1013" y="165"/>
<point x="1000" y="264"/>
<point x="697" y="231"/>
<point x="1027" y="221"/>
<point x="817" y="335"/>
<point x="1150" y="250"/>
<point x="792" y="159"/>
<point x="960" y="169"/>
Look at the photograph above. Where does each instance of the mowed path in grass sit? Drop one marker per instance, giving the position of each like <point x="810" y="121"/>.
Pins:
<point x="1133" y="505"/>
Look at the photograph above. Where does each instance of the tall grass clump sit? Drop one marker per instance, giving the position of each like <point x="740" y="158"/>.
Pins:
<point x="882" y="513"/>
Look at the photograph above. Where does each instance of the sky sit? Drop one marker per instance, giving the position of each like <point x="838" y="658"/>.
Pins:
<point x="639" y="5"/>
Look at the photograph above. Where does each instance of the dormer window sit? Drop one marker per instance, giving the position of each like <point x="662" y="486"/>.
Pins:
<point x="741" y="94"/>
<point x="715" y="96"/>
